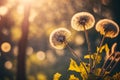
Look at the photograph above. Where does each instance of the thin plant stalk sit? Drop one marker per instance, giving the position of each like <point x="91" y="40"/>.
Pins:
<point x="100" y="46"/>
<point x="101" y="43"/>
<point x="111" y="69"/>
<point x="89" y="48"/>
<point x="114" y="65"/>
<point x="105" y="63"/>
<point x="75" y="55"/>
<point x="111" y="64"/>
<point x="107" y="67"/>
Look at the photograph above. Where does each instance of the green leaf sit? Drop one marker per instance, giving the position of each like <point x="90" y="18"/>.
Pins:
<point x="83" y="72"/>
<point x="73" y="66"/>
<point x="98" y="57"/>
<point x="88" y="56"/>
<point x="57" y="76"/>
<point x="104" y="47"/>
<point x="72" y="77"/>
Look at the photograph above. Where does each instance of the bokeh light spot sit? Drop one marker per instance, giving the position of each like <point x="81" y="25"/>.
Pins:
<point x="79" y="40"/>
<point x="3" y="10"/>
<point x="5" y="46"/>
<point x="15" y="50"/>
<point x="29" y="51"/>
<point x="8" y="65"/>
<point x="41" y="55"/>
<point x="16" y="33"/>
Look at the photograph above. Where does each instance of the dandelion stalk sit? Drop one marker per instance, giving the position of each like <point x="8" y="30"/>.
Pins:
<point x="75" y="55"/>
<point x="108" y="66"/>
<point x="114" y="65"/>
<point x="84" y="21"/>
<point x="101" y="43"/>
<point x="89" y="49"/>
<point x="100" y="46"/>
<point x="107" y="28"/>
<point x="111" y="69"/>
<point x="111" y="54"/>
<point x="114" y="59"/>
<point x="105" y="64"/>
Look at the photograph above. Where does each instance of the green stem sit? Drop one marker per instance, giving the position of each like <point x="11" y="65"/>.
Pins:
<point x="105" y="63"/>
<point x="114" y="65"/>
<point x="111" y="69"/>
<point x="111" y="64"/>
<point x="75" y="55"/>
<point x="100" y="46"/>
<point x="89" y="48"/>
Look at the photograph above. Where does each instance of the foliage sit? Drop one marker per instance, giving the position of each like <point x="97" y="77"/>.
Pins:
<point x="114" y="77"/>
<point x="56" y="76"/>
<point x="96" y="72"/>
<point x="72" y="77"/>
<point x="74" y="67"/>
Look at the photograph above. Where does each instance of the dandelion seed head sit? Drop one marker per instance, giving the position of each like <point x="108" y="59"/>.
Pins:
<point x="58" y="38"/>
<point x="82" y="19"/>
<point x="108" y="28"/>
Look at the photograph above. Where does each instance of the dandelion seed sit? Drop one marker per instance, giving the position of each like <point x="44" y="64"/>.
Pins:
<point x="58" y="38"/>
<point x="81" y="20"/>
<point x="108" y="28"/>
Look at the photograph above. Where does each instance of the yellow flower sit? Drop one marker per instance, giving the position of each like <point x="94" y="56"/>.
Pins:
<point x="108" y="28"/>
<point x="72" y="77"/>
<point x="58" y="38"/>
<point x="81" y="20"/>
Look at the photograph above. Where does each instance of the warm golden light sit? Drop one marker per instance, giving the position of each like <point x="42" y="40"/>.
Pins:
<point x="41" y="76"/>
<point x="81" y="20"/>
<point x="32" y="16"/>
<point x="58" y="38"/>
<point x="16" y="33"/>
<point x="5" y="46"/>
<point x="15" y="50"/>
<point x="3" y="10"/>
<point x="26" y="1"/>
<point x="60" y="52"/>
<point x="41" y="55"/>
<point x="20" y="9"/>
<point x="29" y="51"/>
<point x="10" y="3"/>
<point x="79" y="40"/>
<point x="50" y="57"/>
<point x="8" y="65"/>
<point x="108" y="28"/>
